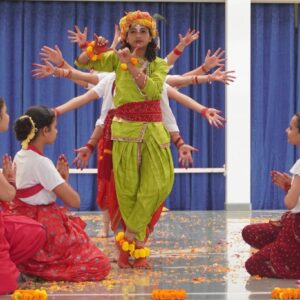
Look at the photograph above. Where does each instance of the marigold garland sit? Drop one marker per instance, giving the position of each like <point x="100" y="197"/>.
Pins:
<point x="31" y="134"/>
<point x="285" y="293"/>
<point x="90" y="50"/>
<point x="140" y="252"/>
<point x="168" y="294"/>
<point x="29" y="295"/>
<point x="124" y="244"/>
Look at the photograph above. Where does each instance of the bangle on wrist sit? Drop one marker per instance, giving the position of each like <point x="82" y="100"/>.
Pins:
<point x="204" y="69"/>
<point x="177" y="52"/>
<point x="84" y="45"/>
<point x="203" y="112"/>
<point x="90" y="146"/>
<point x="178" y="146"/>
<point x="61" y="64"/>
<point x="209" y="78"/>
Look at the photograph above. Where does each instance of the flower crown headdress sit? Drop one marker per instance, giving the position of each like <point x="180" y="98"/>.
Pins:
<point x="137" y="17"/>
<point x="31" y="134"/>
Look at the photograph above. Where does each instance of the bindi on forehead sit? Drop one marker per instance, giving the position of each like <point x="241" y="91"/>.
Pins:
<point x="138" y="27"/>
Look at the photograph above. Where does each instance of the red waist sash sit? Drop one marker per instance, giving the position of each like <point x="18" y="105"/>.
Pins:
<point x="28" y="192"/>
<point x="145" y="111"/>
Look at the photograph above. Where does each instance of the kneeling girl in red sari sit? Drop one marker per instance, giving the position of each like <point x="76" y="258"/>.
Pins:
<point x="68" y="254"/>
<point x="279" y="242"/>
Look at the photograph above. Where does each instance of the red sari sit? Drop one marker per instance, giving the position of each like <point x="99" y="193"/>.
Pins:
<point x="68" y="254"/>
<point x="20" y="239"/>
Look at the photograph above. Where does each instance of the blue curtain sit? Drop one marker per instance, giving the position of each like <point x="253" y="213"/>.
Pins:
<point x="275" y="64"/>
<point x="27" y="26"/>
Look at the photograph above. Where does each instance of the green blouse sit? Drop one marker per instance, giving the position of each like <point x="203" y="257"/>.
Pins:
<point x="128" y="91"/>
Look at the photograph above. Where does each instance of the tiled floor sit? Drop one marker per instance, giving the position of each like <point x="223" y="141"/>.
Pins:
<point x="201" y="252"/>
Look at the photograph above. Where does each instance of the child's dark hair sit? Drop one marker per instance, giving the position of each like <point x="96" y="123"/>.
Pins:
<point x="150" y="54"/>
<point x="2" y="103"/>
<point x="41" y="115"/>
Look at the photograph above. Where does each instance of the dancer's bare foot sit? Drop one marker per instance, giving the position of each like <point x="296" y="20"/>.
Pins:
<point x="104" y="233"/>
<point x="123" y="260"/>
<point x="141" y="263"/>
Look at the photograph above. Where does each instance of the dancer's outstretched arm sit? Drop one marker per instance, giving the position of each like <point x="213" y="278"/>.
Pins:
<point x="47" y="69"/>
<point x="184" y="41"/>
<point x="211" y="114"/>
<point x="210" y="62"/>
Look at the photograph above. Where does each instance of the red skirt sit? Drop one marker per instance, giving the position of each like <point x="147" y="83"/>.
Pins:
<point x="68" y="253"/>
<point x="20" y="239"/>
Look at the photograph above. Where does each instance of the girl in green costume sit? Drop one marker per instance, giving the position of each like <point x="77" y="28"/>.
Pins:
<point x="141" y="157"/>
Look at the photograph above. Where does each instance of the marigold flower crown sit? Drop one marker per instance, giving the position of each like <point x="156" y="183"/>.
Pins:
<point x="137" y="17"/>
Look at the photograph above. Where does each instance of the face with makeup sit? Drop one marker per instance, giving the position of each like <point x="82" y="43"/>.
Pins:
<point x="138" y="36"/>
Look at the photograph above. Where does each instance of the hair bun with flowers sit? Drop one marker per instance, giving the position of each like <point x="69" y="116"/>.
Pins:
<point x="137" y="17"/>
<point x="31" y="134"/>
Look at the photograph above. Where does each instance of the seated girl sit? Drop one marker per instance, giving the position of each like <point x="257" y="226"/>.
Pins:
<point x="68" y="254"/>
<point x="20" y="237"/>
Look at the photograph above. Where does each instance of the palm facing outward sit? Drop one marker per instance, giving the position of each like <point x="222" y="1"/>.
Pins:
<point x="53" y="55"/>
<point x="190" y="36"/>
<point x="215" y="60"/>
<point x="77" y="36"/>
<point x="42" y="71"/>
<point x="223" y="76"/>
<point x="185" y="155"/>
<point x="213" y="117"/>
<point x="82" y="158"/>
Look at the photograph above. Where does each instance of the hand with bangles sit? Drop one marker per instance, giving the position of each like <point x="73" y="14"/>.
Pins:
<point x="62" y="167"/>
<point x="81" y="160"/>
<point x="185" y="155"/>
<point x="9" y="169"/>
<point x="41" y="71"/>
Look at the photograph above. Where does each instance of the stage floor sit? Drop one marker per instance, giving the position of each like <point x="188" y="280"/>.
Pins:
<point x="200" y="252"/>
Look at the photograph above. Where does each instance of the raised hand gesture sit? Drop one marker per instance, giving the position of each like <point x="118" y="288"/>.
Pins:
<point x="52" y="54"/>
<point x="214" y="60"/>
<point x="190" y="36"/>
<point x="77" y="36"/>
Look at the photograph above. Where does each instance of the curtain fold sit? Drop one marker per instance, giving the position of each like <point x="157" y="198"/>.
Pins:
<point x="27" y="26"/>
<point x="273" y="99"/>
